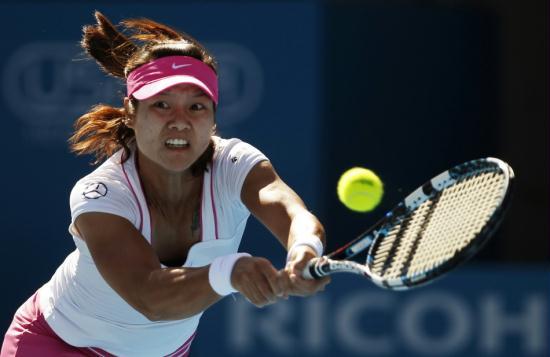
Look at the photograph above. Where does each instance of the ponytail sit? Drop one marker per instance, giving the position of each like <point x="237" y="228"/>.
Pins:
<point x="109" y="47"/>
<point x="101" y="132"/>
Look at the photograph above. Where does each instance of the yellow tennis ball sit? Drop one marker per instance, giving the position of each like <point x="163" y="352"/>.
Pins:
<point x="360" y="189"/>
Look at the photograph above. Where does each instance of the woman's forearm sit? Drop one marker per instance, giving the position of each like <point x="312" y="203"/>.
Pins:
<point x="303" y="225"/>
<point x="176" y="293"/>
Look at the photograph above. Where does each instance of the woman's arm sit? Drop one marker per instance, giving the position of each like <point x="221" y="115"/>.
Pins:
<point x="130" y="266"/>
<point x="284" y="213"/>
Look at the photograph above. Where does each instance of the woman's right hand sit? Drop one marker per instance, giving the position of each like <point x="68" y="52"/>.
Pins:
<point x="258" y="281"/>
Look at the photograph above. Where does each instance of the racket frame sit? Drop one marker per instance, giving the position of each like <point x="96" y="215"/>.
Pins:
<point x="338" y="261"/>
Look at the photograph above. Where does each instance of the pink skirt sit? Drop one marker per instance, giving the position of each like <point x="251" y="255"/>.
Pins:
<point x="29" y="335"/>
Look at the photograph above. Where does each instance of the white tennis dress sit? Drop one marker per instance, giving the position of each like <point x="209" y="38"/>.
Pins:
<point x="78" y="303"/>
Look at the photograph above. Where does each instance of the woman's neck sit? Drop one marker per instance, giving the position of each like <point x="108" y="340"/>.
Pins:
<point x="164" y="189"/>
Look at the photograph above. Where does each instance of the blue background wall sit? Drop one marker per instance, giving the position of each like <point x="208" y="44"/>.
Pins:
<point x="405" y="88"/>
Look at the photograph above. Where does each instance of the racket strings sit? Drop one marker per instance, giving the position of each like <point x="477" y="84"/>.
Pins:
<point x="391" y="246"/>
<point x="390" y="261"/>
<point x="439" y="228"/>
<point x="414" y="245"/>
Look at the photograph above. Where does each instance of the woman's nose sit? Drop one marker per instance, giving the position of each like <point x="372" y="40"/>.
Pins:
<point x="179" y="122"/>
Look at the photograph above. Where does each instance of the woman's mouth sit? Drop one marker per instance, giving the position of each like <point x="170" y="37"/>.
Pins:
<point x="176" y="143"/>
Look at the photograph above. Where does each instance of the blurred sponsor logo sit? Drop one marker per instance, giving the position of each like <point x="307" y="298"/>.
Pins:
<point x="241" y="80"/>
<point x="47" y="85"/>
<point x="47" y="89"/>
<point x="364" y="322"/>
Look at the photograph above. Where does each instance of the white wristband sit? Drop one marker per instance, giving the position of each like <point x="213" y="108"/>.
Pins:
<point x="219" y="274"/>
<point x="311" y="241"/>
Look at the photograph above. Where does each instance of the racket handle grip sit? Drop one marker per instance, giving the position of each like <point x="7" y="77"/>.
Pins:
<point x="314" y="269"/>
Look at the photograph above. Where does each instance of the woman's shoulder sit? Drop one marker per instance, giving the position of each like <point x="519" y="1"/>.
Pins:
<point x="233" y="159"/>
<point x="112" y="173"/>
<point x="231" y="148"/>
<point x="221" y="144"/>
<point x="109" y="189"/>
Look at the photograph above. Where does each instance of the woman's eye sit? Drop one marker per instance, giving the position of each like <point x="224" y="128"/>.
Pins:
<point x="197" y="106"/>
<point x="161" y="105"/>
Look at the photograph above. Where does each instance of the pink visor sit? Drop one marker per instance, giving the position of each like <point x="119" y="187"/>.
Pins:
<point x="165" y="72"/>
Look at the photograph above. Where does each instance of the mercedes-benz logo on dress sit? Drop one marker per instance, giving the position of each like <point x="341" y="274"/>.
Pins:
<point x="95" y="190"/>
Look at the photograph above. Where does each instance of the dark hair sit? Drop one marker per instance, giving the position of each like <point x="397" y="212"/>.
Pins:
<point x="102" y="131"/>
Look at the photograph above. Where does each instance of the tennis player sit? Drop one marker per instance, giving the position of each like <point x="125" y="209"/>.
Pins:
<point x="157" y="225"/>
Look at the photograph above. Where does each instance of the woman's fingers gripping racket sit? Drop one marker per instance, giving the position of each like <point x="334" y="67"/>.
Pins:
<point x="299" y="285"/>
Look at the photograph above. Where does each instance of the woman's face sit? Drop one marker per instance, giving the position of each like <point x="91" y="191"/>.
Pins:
<point x="174" y="127"/>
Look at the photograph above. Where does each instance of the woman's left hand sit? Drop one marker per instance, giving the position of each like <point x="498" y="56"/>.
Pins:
<point x="294" y="282"/>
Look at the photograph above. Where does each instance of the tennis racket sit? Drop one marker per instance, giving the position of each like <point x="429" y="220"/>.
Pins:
<point x="438" y="226"/>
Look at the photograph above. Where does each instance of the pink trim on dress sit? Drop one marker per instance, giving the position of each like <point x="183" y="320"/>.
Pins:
<point x="96" y="353"/>
<point x="135" y="196"/>
<point x="183" y="351"/>
<point x="212" y="200"/>
<point x="200" y="211"/>
<point x="146" y="204"/>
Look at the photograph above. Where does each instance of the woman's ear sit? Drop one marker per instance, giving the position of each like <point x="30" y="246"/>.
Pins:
<point x="130" y="113"/>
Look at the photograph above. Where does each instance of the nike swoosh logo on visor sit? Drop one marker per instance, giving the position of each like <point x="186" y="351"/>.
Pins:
<point x="175" y="66"/>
